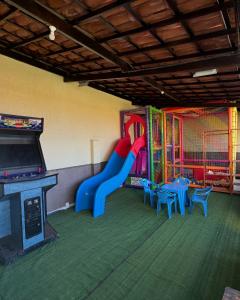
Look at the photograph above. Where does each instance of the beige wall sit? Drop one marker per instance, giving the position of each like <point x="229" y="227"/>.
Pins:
<point x="73" y="115"/>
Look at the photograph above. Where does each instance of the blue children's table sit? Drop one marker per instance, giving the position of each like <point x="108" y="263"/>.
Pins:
<point x="181" y="191"/>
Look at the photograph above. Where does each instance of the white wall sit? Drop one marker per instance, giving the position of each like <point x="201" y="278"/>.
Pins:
<point x="73" y="115"/>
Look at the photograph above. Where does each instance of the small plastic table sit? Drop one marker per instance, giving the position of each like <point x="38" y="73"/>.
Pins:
<point x="180" y="190"/>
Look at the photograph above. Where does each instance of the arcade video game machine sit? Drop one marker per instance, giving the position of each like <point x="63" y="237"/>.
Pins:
<point x="24" y="182"/>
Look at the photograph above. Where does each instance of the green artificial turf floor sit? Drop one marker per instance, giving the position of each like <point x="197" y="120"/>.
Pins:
<point x="130" y="253"/>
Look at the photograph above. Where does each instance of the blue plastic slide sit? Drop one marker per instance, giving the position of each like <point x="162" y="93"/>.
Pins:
<point x="92" y="193"/>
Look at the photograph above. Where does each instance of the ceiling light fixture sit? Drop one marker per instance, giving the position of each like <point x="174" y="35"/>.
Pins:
<point x="52" y="32"/>
<point x="205" y="73"/>
<point x="162" y="92"/>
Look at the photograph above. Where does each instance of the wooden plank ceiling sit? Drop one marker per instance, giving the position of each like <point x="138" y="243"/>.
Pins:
<point x="145" y="51"/>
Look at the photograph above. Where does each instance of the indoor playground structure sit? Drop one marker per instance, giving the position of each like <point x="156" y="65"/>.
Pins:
<point x="149" y="162"/>
<point x="202" y="145"/>
<point x="92" y="193"/>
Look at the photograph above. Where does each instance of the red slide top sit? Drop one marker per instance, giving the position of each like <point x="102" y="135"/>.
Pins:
<point x="124" y="145"/>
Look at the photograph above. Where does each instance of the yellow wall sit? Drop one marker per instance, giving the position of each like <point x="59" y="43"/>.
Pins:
<point x="73" y="115"/>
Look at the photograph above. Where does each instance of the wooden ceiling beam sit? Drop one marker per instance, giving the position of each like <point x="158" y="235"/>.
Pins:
<point x="174" y="8"/>
<point x="227" y="73"/>
<point x="59" y="52"/>
<point x="196" y="99"/>
<point x="227" y="60"/>
<point x="149" y="63"/>
<point x="44" y="16"/>
<point x="229" y="92"/>
<point x="226" y="20"/>
<point x="182" y="95"/>
<point x="138" y="18"/>
<point x="102" y="88"/>
<point x="160" y="88"/>
<point x="30" y="40"/>
<point x="237" y="19"/>
<point x="215" y="89"/>
<point x="180" y="42"/>
<point x="180" y="91"/>
<point x="225" y="99"/>
<point x="179" y="18"/>
<point x="19" y="55"/>
<point x="8" y="15"/>
<point x="34" y="38"/>
<point x="168" y="45"/>
<point x="98" y="12"/>
<point x="165" y="45"/>
<point x="183" y="84"/>
<point x="148" y="80"/>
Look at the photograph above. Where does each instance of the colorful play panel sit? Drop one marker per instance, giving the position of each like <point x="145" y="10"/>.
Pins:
<point x="150" y="159"/>
<point x="202" y="144"/>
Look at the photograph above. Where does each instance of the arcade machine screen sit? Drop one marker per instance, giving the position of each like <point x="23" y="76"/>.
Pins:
<point x="16" y="151"/>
